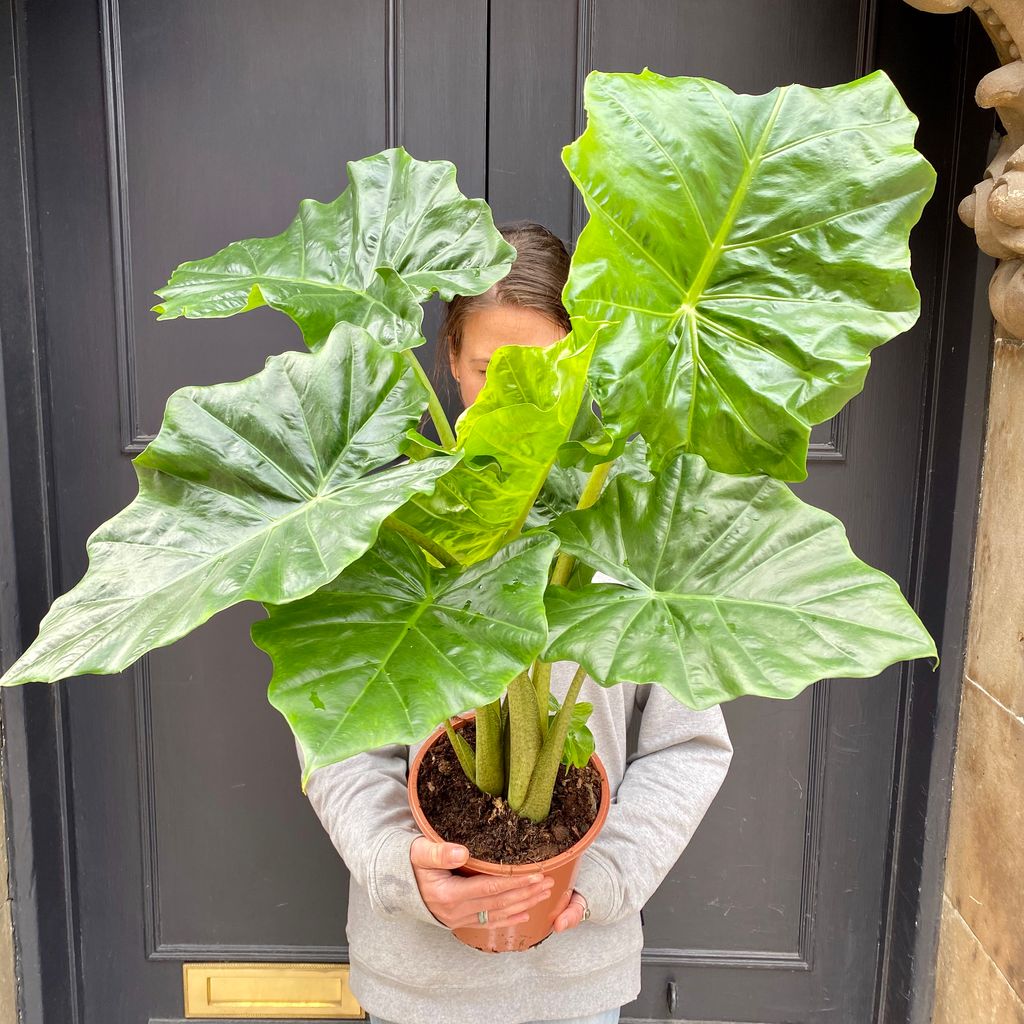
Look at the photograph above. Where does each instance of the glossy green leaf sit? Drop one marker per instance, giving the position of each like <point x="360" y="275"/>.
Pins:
<point x="727" y="586"/>
<point x="579" y="740"/>
<point x="260" y="490"/>
<point x="753" y="249"/>
<point x="509" y="437"/>
<point x="392" y="647"/>
<point x="401" y="231"/>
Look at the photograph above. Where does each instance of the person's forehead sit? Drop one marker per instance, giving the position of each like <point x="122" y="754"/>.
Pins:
<point x="487" y="329"/>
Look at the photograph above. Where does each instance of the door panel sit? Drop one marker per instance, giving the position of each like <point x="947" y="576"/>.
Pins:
<point x="163" y="132"/>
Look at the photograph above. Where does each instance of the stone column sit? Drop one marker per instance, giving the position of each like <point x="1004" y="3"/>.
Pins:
<point x="980" y="971"/>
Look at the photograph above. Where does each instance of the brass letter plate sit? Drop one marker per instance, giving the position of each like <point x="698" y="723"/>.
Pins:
<point x="269" y="991"/>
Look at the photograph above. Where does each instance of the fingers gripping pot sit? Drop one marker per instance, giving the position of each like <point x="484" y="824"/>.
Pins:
<point x="505" y="938"/>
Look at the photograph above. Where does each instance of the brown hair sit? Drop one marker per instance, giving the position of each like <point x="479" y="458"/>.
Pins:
<point x="535" y="280"/>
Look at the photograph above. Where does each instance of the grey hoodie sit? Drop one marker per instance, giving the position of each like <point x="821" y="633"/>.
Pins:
<point x="665" y="764"/>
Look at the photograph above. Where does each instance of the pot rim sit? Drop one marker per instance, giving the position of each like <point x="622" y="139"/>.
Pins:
<point x="488" y="867"/>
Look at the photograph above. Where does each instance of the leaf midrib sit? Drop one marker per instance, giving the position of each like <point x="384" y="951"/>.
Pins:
<point x="732" y="211"/>
<point x="713" y="253"/>
<point x="258" y="278"/>
<point x="667" y="597"/>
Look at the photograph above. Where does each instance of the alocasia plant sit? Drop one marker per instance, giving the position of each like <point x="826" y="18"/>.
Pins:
<point x="743" y="256"/>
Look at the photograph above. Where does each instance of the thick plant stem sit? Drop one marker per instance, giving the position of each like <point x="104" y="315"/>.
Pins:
<point x="431" y="547"/>
<point x="434" y="407"/>
<point x="591" y="492"/>
<point x="542" y="684"/>
<point x="524" y="736"/>
<point x="537" y="805"/>
<point x="517" y="527"/>
<point x="506" y="744"/>
<point x="463" y="751"/>
<point x="490" y="749"/>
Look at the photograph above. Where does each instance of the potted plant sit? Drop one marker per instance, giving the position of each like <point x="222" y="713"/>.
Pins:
<point x="617" y="500"/>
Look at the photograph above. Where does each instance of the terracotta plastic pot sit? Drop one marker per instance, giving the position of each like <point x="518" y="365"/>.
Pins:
<point x="563" y="868"/>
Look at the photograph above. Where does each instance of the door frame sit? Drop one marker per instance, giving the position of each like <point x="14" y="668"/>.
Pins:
<point x="37" y="789"/>
<point x="36" y="792"/>
<point x="949" y="480"/>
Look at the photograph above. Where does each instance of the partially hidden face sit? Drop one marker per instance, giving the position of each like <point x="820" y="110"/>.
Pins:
<point x="488" y="329"/>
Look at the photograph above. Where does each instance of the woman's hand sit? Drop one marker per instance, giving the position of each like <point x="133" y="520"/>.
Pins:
<point x="455" y="900"/>
<point x="573" y="914"/>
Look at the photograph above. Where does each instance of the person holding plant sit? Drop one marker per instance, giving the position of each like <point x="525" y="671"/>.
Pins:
<point x="399" y="593"/>
<point x="406" y="967"/>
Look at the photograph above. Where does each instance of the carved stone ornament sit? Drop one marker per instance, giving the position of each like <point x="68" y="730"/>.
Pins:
<point x="996" y="207"/>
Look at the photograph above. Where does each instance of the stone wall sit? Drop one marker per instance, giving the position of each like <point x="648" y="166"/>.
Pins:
<point x="980" y="970"/>
<point x="980" y="977"/>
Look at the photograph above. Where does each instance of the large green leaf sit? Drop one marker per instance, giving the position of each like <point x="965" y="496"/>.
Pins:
<point x="729" y="586"/>
<point x="392" y="647"/>
<point x="753" y="249"/>
<point x="259" y="490"/>
<point x="510" y="437"/>
<point x="400" y="231"/>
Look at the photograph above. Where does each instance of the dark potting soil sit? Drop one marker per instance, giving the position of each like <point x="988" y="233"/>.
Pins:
<point x="487" y="826"/>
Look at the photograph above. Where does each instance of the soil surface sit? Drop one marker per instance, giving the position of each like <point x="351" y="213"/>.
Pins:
<point x="487" y="826"/>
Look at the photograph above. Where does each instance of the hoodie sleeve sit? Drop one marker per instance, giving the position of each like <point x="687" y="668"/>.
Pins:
<point x="680" y="763"/>
<point x="363" y="804"/>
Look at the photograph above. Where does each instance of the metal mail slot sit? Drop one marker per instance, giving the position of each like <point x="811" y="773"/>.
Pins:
<point x="258" y="991"/>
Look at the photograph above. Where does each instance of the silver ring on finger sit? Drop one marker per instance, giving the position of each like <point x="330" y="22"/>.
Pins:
<point x="481" y="916"/>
